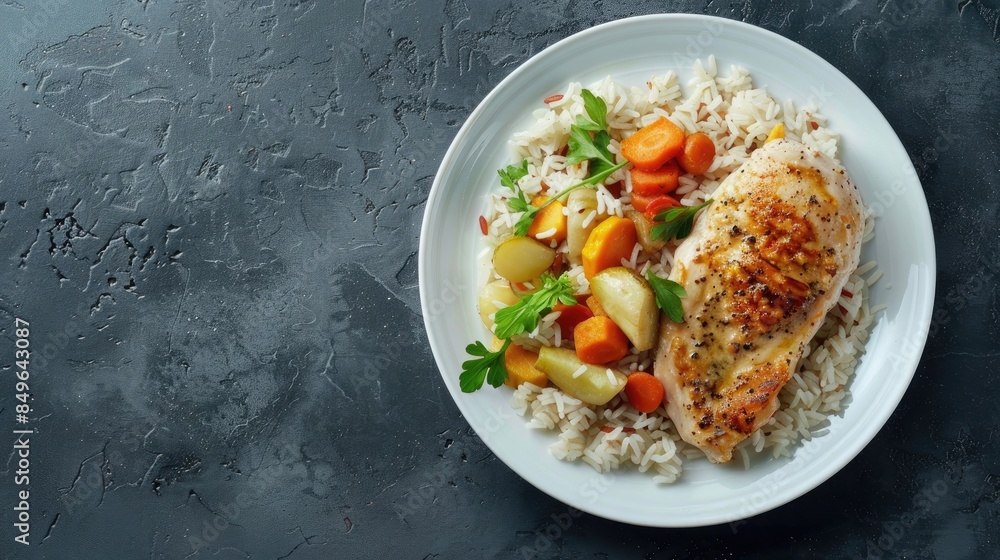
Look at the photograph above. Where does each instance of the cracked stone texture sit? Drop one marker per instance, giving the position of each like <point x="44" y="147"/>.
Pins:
<point x="209" y="213"/>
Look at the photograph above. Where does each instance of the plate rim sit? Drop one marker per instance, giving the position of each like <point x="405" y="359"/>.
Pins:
<point x="826" y="470"/>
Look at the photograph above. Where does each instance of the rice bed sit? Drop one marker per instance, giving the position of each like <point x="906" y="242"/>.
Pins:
<point x="737" y="117"/>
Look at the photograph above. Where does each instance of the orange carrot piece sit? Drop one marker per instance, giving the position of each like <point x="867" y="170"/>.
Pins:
<point x="659" y="204"/>
<point x="654" y="183"/>
<point x="654" y="145"/>
<point x="599" y="340"/>
<point x="596" y="306"/>
<point x="548" y="219"/>
<point x="644" y="392"/>
<point x="608" y="244"/>
<point x="570" y="316"/>
<point x="521" y="368"/>
<point x="698" y="155"/>
<point x="640" y="202"/>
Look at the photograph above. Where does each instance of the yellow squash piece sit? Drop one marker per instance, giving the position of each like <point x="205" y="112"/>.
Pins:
<point x="521" y="368"/>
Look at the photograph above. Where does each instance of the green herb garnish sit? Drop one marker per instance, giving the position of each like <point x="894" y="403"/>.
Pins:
<point x="597" y="112"/>
<point x="490" y="367"/>
<point x="523" y="316"/>
<point x="676" y="222"/>
<point x="509" y="178"/>
<point x="519" y="318"/>
<point x="581" y="147"/>
<point x="514" y="173"/>
<point x="668" y="296"/>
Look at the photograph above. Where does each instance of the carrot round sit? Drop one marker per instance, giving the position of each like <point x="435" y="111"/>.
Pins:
<point x="644" y="392"/>
<point x="663" y="180"/>
<point x="640" y="202"/>
<point x="599" y="340"/>
<point x="549" y="220"/>
<point x="698" y="154"/>
<point x="595" y="306"/>
<point x="654" y="145"/>
<point x="608" y="244"/>
<point x="570" y="316"/>
<point x="659" y="204"/>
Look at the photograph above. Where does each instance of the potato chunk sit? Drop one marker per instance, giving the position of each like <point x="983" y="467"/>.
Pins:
<point x="592" y="385"/>
<point x="627" y="298"/>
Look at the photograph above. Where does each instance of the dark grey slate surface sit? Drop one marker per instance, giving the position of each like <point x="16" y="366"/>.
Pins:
<point x="209" y="214"/>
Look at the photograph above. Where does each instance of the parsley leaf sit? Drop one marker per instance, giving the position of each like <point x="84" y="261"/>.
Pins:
<point x="668" y="296"/>
<point x="581" y="146"/>
<point x="523" y="316"/>
<point x="677" y="222"/>
<point x="524" y="222"/>
<point x="607" y="159"/>
<point x="514" y="173"/>
<point x="518" y="203"/>
<point x="489" y="367"/>
<point x="597" y="112"/>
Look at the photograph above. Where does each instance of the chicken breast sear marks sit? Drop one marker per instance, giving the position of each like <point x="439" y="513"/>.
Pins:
<point x="762" y="266"/>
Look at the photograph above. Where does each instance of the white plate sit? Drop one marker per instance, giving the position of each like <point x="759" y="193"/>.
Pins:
<point x="632" y="50"/>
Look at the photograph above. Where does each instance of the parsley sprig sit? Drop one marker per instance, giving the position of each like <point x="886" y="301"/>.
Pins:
<point x="523" y="316"/>
<point x="519" y="318"/>
<point x="676" y="222"/>
<point x="489" y="367"/>
<point x="509" y="178"/>
<point x="581" y="147"/>
<point x="668" y="296"/>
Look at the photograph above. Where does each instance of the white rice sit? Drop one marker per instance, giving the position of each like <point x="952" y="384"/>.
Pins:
<point x="737" y="117"/>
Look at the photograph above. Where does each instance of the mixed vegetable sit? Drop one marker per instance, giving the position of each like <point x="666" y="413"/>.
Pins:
<point x="622" y="311"/>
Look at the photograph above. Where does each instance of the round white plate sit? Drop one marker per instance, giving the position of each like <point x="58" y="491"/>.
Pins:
<point x="632" y="50"/>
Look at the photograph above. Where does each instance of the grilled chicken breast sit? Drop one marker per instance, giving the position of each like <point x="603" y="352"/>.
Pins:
<point x="762" y="266"/>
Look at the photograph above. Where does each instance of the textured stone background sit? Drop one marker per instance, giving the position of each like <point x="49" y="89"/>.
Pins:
<point x="209" y="213"/>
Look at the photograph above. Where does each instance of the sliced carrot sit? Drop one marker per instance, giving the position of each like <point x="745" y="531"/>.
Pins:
<point x="653" y="145"/>
<point x="599" y="340"/>
<point x="654" y="183"/>
<point x="570" y="316"/>
<point x="595" y="305"/>
<point x="608" y="244"/>
<point x="644" y="392"/>
<point x="640" y="202"/>
<point x="520" y="364"/>
<point x="659" y="204"/>
<point x="548" y="219"/>
<point x="698" y="155"/>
